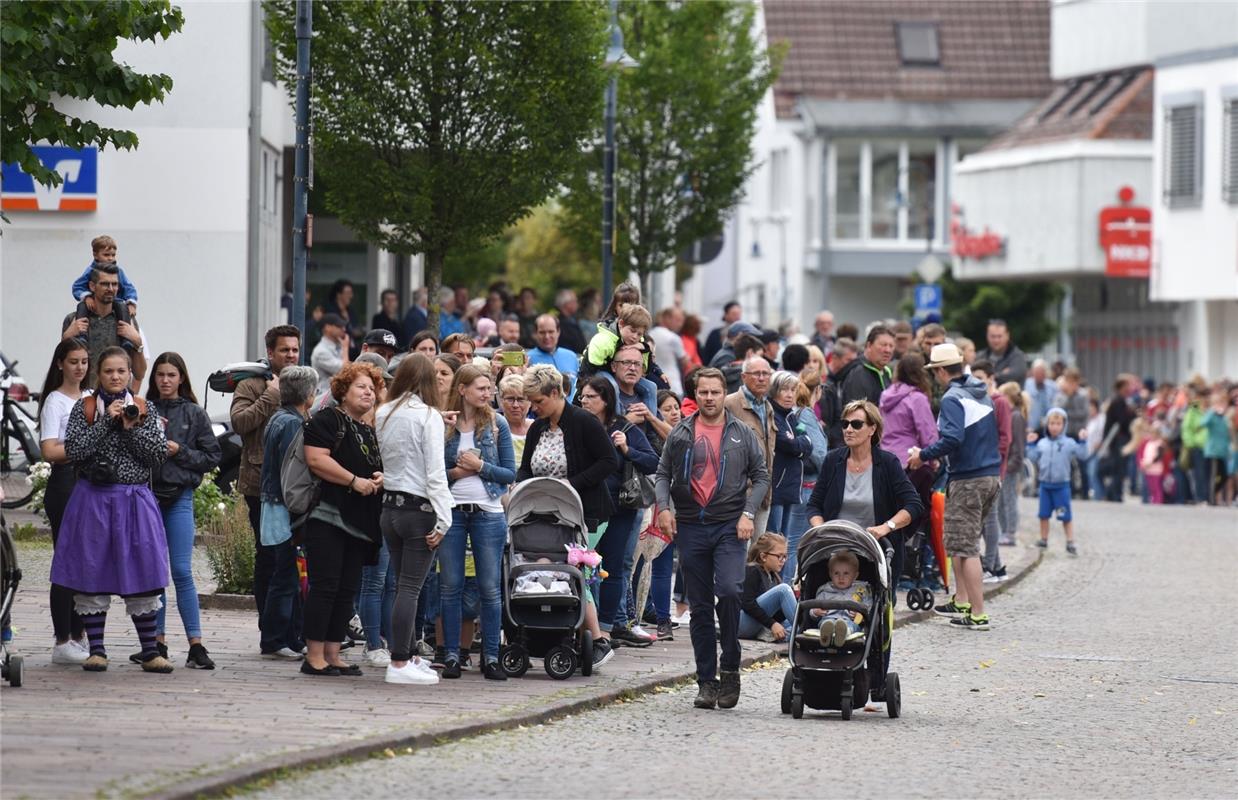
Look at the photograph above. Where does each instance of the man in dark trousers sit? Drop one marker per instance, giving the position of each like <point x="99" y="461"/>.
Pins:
<point x="713" y="471"/>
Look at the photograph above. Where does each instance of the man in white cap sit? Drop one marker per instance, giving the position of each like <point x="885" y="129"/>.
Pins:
<point x="967" y="426"/>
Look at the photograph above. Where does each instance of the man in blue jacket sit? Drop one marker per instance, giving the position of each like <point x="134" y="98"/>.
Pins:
<point x="968" y="429"/>
<point x="713" y="475"/>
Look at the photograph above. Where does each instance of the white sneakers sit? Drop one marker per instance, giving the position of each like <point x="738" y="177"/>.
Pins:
<point x="378" y="657"/>
<point x="71" y="652"/>
<point x="417" y="671"/>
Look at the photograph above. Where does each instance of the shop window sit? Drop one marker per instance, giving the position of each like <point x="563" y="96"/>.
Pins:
<point x="1183" y="156"/>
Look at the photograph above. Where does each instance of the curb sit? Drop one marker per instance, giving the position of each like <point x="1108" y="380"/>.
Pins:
<point x="221" y="783"/>
<point x="226" y="602"/>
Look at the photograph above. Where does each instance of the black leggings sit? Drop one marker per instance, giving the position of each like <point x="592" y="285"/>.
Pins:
<point x="333" y="559"/>
<point x="65" y="621"/>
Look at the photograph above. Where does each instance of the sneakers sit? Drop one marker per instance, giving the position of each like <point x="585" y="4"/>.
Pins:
<point x="198" y="658"/>
<point x="952" y="608"/>
<point x="706" y="695"/>
<point x="602" y="652"/>
<point x="414" y="672"/>
<point x="282" y="653"/>
<point x="1006" y="541"/>
<point x="492" y="671"/>
<point x="666" y="631"/>
<point x="136" y="658"/>
<point x="69" y="653"/>
<point x="425" y="649"/>
<point x="157" y="664"/>
<point x="451" y="668"/>
<point x="765" y="635"/>
<point x="997" y="576"/>
<point x="635" y="636"/>
<point x="1071" y="549"/>
<point x="378" y="657"/>
<point x="356" y="631"/>
<point x="1043" y="544"/>
<point x="834" y="633"/>
<point x="971" y="622"/>
<point x="95" y="663"/>
<point x="728" y="691"/>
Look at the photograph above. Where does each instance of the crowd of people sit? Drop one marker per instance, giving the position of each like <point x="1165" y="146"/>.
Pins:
<point x="701" y="464"/>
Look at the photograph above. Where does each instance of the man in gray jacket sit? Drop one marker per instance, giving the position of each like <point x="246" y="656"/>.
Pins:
<point x="713" y="475"/>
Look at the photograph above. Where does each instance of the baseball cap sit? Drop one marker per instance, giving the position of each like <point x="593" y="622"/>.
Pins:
<point x="739" y="326"/>
<point x="769" y="335"/>
<point x="333" y="319"/>
<point x="944" y="355"/>
<point x="381" y="337"/>
<point x="376" y="360"/>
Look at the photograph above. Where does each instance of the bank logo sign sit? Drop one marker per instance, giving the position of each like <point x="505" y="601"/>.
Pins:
<point x="79" y="191"/>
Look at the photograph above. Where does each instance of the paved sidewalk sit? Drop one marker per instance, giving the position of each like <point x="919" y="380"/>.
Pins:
<point x="189" y="732"/>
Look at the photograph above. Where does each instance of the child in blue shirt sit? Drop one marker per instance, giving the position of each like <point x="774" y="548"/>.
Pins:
<point x="1053" y="454"/>
<point x="104" y="250"/>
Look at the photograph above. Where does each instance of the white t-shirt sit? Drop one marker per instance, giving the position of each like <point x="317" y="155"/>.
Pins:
<point x="54" y="420"/>
<point x="471" y="489"/>
<point x="668" y="351"/>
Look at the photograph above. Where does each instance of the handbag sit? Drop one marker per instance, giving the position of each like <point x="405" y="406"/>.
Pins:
<point x="636" y="491"/>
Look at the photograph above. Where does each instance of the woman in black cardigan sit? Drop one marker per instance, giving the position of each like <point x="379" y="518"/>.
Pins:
<point x="864" y="484"/>
<point x="567" y="442"/>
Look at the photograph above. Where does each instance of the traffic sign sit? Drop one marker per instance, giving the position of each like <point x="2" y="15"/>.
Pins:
<point x="928" y="299"/>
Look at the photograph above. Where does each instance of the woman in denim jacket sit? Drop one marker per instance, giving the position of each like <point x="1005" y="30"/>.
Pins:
<point x="480" y="466"/>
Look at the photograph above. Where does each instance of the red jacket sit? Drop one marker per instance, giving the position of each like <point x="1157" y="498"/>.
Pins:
<point x="1001" y="407"/>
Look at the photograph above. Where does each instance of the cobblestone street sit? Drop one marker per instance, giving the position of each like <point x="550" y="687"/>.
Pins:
<point x="1113" y="674"/>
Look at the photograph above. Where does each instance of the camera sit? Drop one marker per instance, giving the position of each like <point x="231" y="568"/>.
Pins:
<point x="131" y="411"/>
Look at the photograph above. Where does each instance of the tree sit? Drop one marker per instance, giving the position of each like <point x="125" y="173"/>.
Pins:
<point x="437" y="125"/>
<point x="541" y="255"/>
<point x="55" y="50"/>
<point x="684" y="130"/>
<point x="968" y="306"/>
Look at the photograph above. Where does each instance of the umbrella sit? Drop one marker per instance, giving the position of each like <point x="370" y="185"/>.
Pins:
<point x="938" y="519"/>
<point x="650" y="545"/>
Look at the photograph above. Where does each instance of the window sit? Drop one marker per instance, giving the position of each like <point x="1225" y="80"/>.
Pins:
<point x="917" y="44"/>
<point x="1183" y="167"/>
<point x="1229" y="152"/>
<point x="847" y="189"/>
<point x="778" y="180"/>
<point x="885" y="195"/>
<point x="271" y="179"/>
<point x="921" y="188"/>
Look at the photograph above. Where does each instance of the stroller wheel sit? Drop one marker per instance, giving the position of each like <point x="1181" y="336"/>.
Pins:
<point x="913" y="599"/>
<point x="797" y="706"/>
<point x="15" y="665"/>
<point x="844" y="705"/>
<point x="894" y="696"/>
<point x="514" y="660"/>
<point x="926" y="598"/>
<point x="560" y="663"/>
<point x="788" y="683"/>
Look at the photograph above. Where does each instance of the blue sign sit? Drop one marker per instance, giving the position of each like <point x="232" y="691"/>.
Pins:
<point x="79" y="191"/>
<point x="928" y="299"/>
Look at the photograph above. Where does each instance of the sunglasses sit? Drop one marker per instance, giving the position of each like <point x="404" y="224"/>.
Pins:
<point x="854" y="424"/>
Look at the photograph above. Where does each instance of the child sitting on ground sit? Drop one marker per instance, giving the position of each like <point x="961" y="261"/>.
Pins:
<point x="104" y="250"/>
<point x="841" y="625"/>
<point x="1053" y="455"/>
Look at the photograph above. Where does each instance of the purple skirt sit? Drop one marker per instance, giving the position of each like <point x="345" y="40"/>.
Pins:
<point x="111" y="541"/>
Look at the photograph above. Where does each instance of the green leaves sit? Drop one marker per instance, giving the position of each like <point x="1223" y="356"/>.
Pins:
<point x="968" y="307"/>
<point x="64" y="49"/>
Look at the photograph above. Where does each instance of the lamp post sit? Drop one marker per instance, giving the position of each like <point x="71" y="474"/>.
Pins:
<point x="300" y="184"/>
<point x="616" y="59"/>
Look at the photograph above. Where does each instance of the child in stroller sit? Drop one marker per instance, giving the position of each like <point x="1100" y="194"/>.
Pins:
<point x="841" y="625"/>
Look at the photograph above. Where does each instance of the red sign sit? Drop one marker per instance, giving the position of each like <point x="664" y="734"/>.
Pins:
<point x="966" y="243"/>
<point x="1126" y="238"/>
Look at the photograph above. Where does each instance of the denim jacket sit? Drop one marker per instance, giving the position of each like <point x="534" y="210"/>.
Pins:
<point x="278" y="435"/>
<point x="498" y="469"/>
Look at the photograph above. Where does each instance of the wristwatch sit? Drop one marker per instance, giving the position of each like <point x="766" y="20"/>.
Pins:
<point x="890" y="524"/>
<point x="750" y="515"/>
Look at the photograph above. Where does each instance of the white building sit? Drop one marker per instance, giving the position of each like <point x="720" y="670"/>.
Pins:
<point x="200" y="209"/>
<point x="857" y="144"/>
<point x="1146" y="99"/>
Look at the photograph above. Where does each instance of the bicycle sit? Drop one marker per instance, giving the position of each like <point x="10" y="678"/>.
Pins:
<point x="18" y="449"/>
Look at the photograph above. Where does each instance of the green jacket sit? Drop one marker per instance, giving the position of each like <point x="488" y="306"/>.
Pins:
<point x="1194" y="436"/>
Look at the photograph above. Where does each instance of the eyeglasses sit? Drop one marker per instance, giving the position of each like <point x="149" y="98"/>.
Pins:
<point x="513" y="399"/>
<point x="854" y="424"/>
<point x="779" y="556"/>
<point x="627" y="364"/>
<point x="584" y="396"/>
<point x="762" y="375"/>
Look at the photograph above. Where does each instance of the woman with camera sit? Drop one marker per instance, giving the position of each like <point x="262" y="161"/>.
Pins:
<point x="112" y="538"/>
<point x="192" y="452"/>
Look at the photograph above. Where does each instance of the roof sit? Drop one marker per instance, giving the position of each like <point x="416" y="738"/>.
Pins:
<point x="848" y="49"/>
<point x="1106" y="105"/>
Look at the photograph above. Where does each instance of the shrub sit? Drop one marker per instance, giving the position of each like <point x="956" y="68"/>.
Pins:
<point x="229" y="542"/>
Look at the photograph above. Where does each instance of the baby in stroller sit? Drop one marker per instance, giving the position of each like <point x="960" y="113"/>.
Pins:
<point x="839" y="626"/>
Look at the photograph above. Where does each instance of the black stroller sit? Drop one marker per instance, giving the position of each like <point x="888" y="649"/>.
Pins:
<point x="10" y="576"/>
<point x="828" y="677"/>
<point x="544" y="516"/>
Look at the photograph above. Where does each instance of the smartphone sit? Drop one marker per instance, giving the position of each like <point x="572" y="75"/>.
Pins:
<point x="512" y="359"/>
<point x="474" y="451"/>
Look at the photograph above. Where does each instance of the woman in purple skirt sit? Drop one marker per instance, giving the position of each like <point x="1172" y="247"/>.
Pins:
<point x="112" y="540"/>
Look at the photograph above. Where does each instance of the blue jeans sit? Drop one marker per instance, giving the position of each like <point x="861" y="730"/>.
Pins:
<point x="280" y="622"/>
<point x="712" y="557"/>
<point x="487" y="531"/>
<point x="797" y="524"/>
<point x="1095" y="490"/>
<point x="660" y="583"/>
<point x="614" y="546"/>
<point x="377" y="598"/>
<point x="779" y="598"/>
<point x="178" y="524"/>
<point x="780" y="517"/>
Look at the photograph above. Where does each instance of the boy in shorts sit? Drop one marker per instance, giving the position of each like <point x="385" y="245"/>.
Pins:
<point x="1053" y="455"/>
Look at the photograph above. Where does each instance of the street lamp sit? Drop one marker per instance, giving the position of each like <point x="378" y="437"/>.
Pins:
<point x="616" y="59"/>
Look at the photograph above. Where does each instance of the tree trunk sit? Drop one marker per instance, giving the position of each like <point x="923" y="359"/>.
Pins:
<point x="434" y="282"/>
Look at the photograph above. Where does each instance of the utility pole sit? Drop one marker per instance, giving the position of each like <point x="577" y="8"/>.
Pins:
<point x="301" y="179"/>
<point x="616" y="59"/>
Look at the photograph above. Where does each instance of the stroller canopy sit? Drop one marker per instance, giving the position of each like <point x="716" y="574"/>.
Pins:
<point x="546" y="496"/>
<point x="823" y="541"/>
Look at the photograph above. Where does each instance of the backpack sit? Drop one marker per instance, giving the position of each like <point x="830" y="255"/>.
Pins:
<point x="302" y="489"/>
<point x="226" y="378"/>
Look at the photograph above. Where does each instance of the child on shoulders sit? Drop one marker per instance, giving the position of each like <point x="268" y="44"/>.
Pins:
<point x="104" y="250"/>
